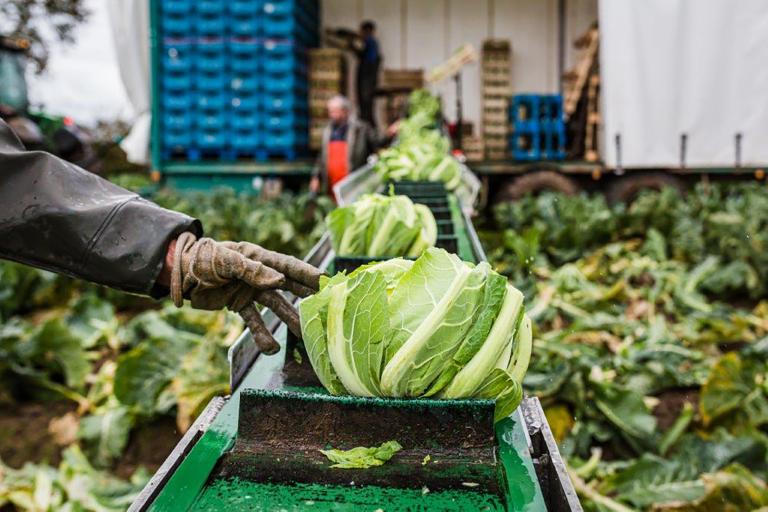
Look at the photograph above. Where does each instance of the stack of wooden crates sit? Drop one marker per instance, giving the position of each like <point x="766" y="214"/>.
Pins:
<point x="327" y="78"/>
<point x="496" y="88"/>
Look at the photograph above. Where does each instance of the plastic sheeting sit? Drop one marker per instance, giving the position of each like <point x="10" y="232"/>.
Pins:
<point x="130" y="30"/>
<point x="697" y="68"/>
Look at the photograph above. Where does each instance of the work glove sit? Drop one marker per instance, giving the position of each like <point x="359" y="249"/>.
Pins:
<point x="214" y="275"/>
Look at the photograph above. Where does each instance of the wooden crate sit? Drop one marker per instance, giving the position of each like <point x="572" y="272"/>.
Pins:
<point x="316" y="127"/>
<point x="402" y="79"/>
<point x="473" y="148"/>
<point x="496" y="129"/>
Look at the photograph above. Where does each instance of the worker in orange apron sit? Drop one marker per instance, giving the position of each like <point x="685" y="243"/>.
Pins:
<point x="346" y="144"/>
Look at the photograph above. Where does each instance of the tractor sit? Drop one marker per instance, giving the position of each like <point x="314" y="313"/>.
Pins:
<point x="59" y="135"/>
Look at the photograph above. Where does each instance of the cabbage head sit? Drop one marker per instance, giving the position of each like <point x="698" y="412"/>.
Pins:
<point x="377" y="225"/>
<point x="435" y="327"/>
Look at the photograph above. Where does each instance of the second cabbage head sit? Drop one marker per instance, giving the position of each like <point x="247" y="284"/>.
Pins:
<point x="376" y="225"/>
<point x="435" y="327"/>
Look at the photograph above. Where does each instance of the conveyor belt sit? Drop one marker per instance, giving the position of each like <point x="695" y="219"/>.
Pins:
<point x="197" y="476"/>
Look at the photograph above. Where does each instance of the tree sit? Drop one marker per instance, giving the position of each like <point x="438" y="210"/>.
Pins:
<point x="42" y="22"/>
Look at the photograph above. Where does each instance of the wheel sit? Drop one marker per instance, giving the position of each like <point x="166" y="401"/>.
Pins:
<point x="626" y="188"/>
<point x="535" y="182"/>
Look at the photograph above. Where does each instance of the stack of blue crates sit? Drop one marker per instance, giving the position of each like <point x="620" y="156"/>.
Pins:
<point x="233" y="77"/>
<point x="538" y="129"/>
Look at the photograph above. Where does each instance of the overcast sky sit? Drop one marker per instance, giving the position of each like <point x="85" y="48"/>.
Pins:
<point x="82" y="80"/>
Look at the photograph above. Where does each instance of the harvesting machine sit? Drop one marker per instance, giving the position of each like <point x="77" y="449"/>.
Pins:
<point x="258" y="449"/>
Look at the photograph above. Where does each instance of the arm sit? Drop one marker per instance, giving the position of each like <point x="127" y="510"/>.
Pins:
<point x="56" y="216"/>
<point x="315" y="178"/>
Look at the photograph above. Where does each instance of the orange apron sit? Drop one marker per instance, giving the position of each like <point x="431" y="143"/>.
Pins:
<point x="338" y="166"/>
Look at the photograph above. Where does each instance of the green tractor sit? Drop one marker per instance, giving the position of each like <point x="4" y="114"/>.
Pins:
<point x="37" y="130"/>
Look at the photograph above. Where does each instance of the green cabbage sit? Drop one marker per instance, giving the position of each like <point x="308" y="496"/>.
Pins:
<point x="422" y="152"/>
<point x="436" y="327"/>
<point x="377" y="225"/>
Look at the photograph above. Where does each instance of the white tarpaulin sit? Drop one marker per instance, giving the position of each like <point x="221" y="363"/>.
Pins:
<point x="693" y="67"/>
<point x="130" y="30"/>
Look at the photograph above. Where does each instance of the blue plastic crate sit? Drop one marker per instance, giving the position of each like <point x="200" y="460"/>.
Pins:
<point x="211" y="101"/>
<point x="278" y="7"/>
<point x="284" y="64"/>
<point x="287" y="121"/>
<point x="281" y="48"/>
<point x="176" y="6"/>
<point x="551" y="111"/>
<point x="172" y="100"/>
<point x="210" y="81"/>
<point x="244" y="65"/>
<point x="554" y="142"/>
<point x="211" y="62"/>
<point x="290" y="28"/>
<point x="211" y="120"/>
<point x="210" y="24"/>
<point x="244" y="83"/>
<point x="245" y="102"/>
<point x="211" y="45"/>
<point x="281" y="102"/>
<point x="527" y="145"/>
<point x="210" y="6"/>
<point x="210" y="139"/>
<point x="177" y="59"/>
<point x="245" y="26"/>
<point x="176" y="120"/>
<point x="524" y="108"/>
<point x="248" y="142"/>
<point x="245" y="121"/>
<point x="246" y="47"/>
<point x="176" y="139"/>
<point x="175" y="25"/>
<point x="244" y="55"/>
<point x="285" y="138"/>
<point x="176" y="81"/>
<point x="285" y="83"/>
<point x="245" y="7"/>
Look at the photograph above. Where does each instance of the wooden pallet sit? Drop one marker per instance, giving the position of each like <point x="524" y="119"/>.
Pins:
<point x="591" y="153"/>
<point x="576" y="79"/>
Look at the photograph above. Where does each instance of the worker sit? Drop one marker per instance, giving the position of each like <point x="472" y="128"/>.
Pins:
<point x="59" y="217"/>
<point x="346" y="144"/>
<point x="369" y="60"/>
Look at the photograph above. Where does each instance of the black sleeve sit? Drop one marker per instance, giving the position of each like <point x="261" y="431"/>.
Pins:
<point x="59" y="217"/>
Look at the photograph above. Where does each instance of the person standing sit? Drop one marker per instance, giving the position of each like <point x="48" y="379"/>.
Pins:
<point x="346" y="144"/>
<point x="369" y="61"/>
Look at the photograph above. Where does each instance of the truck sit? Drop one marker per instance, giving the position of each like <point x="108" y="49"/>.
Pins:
<point x="689" y="109"/>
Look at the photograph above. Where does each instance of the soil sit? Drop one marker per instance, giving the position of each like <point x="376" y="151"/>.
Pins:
<point x="24" y="437"/>
<point x="149" y="446"/>
<point x="671" y="403"/>
<point x="24" y="434"/>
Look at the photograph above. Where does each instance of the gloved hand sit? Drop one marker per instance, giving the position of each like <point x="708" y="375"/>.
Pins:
<point x="214" y="275"/>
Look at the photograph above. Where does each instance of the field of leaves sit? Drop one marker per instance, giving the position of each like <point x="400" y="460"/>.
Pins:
<point x="122" y="361"/>
<point x="650" y="353"/>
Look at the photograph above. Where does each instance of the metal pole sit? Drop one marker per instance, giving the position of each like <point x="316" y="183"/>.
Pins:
<point x="561" y="21"/>
<point x="459" y="116"/>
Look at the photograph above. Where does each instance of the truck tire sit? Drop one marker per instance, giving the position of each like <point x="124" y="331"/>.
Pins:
<point x="626" y="188"/>
<point x="535" y="182"/>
